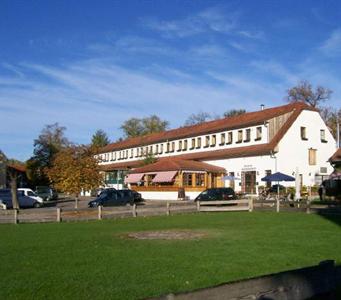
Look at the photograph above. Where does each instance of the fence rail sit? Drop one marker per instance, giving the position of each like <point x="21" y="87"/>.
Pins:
<point x="57" y="214"/>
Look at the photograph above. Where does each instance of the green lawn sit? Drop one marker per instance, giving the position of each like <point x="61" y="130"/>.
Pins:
<point x="94" y="261"/>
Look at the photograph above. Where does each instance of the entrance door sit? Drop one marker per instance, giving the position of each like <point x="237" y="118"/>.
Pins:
<point x="249" y="182"/>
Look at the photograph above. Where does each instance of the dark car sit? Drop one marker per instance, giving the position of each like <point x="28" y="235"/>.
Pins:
<point x="46" y="193"/>
<point x="216" y="194"/>
<point x="112" y="197"/>
<point x="24" y="201"/>
<point x="330" y="187"/>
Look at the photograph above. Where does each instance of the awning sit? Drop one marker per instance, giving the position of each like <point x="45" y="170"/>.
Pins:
<point x="133" y="178"/>
<point x="164" y="176"/>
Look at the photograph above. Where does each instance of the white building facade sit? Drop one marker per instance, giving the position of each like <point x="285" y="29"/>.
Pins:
<point x="291" y="138"/>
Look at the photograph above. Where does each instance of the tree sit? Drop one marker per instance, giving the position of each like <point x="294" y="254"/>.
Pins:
<point x="198" y="118"/>
<point x="99" y="139"/>
<point x="139" y="127"/>
<point x="132" y="127"/>
<point x="14" y="171"/>
<point x="234" y="112"/>
<point x="50" y="142"/>
<point x="331" y="117"/>
<point x="154" y="124"/>
<point x="149" y="158"/>
<point x="74" y="169"/>
<point x="304" y="92"/>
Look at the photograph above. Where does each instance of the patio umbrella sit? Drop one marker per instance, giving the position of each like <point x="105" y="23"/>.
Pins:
<point x="278" y="176"/>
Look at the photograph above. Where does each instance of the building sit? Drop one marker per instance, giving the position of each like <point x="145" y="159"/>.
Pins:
<point x="335" y="161"/>
<point x="236" y="151"/>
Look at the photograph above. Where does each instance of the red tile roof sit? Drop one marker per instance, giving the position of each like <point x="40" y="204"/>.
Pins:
<point x="19" y="168"/>
<point x="336" y="157"/>
<point x="176" y="164"/>
<point x="241" y="121"/>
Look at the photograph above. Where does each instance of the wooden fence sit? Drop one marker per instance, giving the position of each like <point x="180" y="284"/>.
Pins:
<point x="53" y="214"/>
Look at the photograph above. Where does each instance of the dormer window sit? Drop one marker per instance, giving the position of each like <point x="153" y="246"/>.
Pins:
<point x="258" y="133"/>
<point x="198" y="142"/>
<point x="179" y="146"/>
<point x="192" y="144"/>
<point x="214" y="140"/>
<point x="304" y="133"/>
<point x="207" y="141"/>
<point x="222" y="139"/>
<point x="185" y="144"/>
<point x="229" y="138"/>
<point x="240" y="136"/>
<point x="323" y="136"/>
<point x="247" y="135"/>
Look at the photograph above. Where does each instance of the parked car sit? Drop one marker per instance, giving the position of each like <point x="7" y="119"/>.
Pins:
<point x="131" y="193"/>
<point x="216" y="194"/>
<point x="29" y="193"/>
<point x="112" y="197"/>
<point x="46" y="193"/>
<point x="24" y="201"/>
<point x="330" y="187"/>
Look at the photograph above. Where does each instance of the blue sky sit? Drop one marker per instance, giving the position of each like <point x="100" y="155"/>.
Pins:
<point x="93" y="64"/>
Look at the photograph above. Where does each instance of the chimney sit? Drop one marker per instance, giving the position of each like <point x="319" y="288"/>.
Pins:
<point x="262" y="107"/>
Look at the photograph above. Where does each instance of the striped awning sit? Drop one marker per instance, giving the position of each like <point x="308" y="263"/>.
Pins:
<point x="133" y="178"/>
<point x="167" y="176"/>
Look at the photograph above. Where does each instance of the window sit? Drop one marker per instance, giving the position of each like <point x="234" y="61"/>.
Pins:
<point x="127" y="154"/>
<point x="192" y="144"/>
<point x="151" y="149"/>
<point x="187" y="179"/>
<point x="179" y="146"/>
<point x="200" y="179"/>
<point x="167" y="147"/>
<point x="229" y="138"/>
<point x="247" y="135"/>
<point x="114" y="156"/>
<point x="312" y="157"/>
<point x="304" y="133"/>
<point x="207" y="141"/>
<point x="198" y="142"/>
<point x="240" y="136"/>
<point x="161" y="149"/>
<point x="185" y="144"/>
<point x="156" y="149"/>
<point x="258" y="133"/>
<point x="222" y="139"/>
<point x="137" y="152"/>
<point x="141" y="151"/>
<point x="131" y="153"/>
<point x="213" y="140"/>
<point x="173" y="147"/>
<point x="323" y="136"/>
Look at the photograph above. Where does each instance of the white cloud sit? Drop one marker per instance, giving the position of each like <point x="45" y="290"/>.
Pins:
<point x="332" y="46"/>
<point x="209" y="20"/>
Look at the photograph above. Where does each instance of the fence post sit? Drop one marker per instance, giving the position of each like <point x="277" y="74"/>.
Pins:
<point x="277" y="204"/>
<point x="134" y="210"/>
<point x="99" y="212"/>
<point x="58" y="214"/>
<point x="168" y="209"/>
<point x="198" y="205"/>
<point x="16" y="216"/>
<point x="250" y="204"/>
<point x="308" y="206"/>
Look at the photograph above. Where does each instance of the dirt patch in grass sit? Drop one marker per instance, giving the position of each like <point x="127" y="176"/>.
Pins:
<point x="168" y="235"/>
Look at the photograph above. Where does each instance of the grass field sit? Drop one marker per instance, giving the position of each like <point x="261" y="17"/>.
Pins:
<point x="95" y="260"/>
